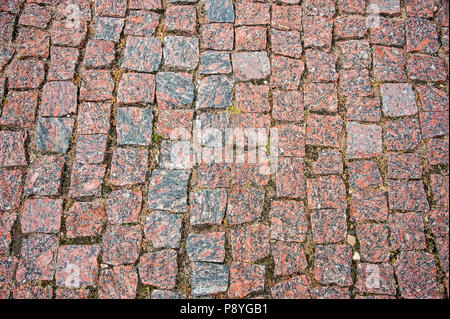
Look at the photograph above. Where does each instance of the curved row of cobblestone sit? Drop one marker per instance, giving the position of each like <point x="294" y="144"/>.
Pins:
<point x="348" y="97"/>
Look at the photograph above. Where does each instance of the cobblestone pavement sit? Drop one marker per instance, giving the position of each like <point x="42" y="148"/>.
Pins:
<point x="91" y="206"/>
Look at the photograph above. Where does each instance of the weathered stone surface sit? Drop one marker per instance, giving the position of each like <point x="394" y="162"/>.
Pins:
<point x="163" y="229"/>
<point x="215" y="91"/>
<point x="250" y="243"/>
<point x="159" y="268"/>
<point x="332" y="265"/>
<point x="181" y="52"/>
<point x="212" y="62"/>
<point x="123" y="206"/>
<point x="288" y="258"/>
<point x="12" y="188"/>
<point x="294" y="288"/>
<point x="121" y="244"/>
<point x="59" y="98"/>
<point x="244" y="205"/>
<point x="174" y="90"/>
<point x="136" y="88"/>
<point x="77" y="266"/>
<point x="86" y="180"/>
<point x="142" y="54"/>
<point x="168" y="190"/>
<point x="250" y="65"/>
<point x="54" y="134"/>
<point x="208" y="206"/>
<point x="42" y="215"/>
<point x="398" y="99"/>
<point x="209" y="278"/>
<point x="245" y="279"/>
<point x="416" y="274"/>
<point x="207" y="247"/>
<point x="85" y="219"/>
<point x="363" y="140"/>
<point x="134" y="126"/>
<point x="128" y="166"/>
<point x="288" y="221"/>
<point x="119" y="282"/>
<point x="328" y="226"/>
<point x="37" y="258"/>
<point x="219" y="11"/>
<point x="12" y="148"/>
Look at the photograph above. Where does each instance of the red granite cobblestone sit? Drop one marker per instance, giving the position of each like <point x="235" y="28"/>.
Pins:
<point x="363" y="109"/>
<point x="12" y="148"/>
<point x="77" y="266"/>
<point x="366" y="205"/>
<point x="218" y="36"/>
<point x="332" y="265"/>
<point x="426" y="68"/>
<point x="251" y="38"/>
<point x="99" y="53"/>
<point x="407" y="195"/>
<point x="250" y="243"/>
<point x="7" y="222"/>
<point x="388" y="32"/>
<point x="421" y="36"/>
<point x="398" y="99"/>
<point x="288" y="221"/>
<point x="26" y="74"/>
<point x="434" y="123"/>
<point x="7" y="26"/>
<point x="94" y="118"/>
<point x="326" y="192"/>
<point x="128" y="166"/>
<point x="346" y="27"/>
<point x="119" y="282"/>
<point x="376" y="278"/>
<point x="37" y="258"/>
<point x="163" y="229"/>
<point x="86" y="180"/>
<point x="294" y="288"/>
<point x="328" y="226"/>
<point x="12" y="188"/>
<point x="121" y="244"/>
<point x="141" y="23"/>
<point x="416" y="275"/>
<point x="323" y="130"/>
<point x="318" y="32"/>
<point x="389" y="64"/>
<point x="347" y="198"/>
<point x="290" y="177"/>
<point x="289" y="258"/>
<point x="123" y="206"/>
<point x="321" y="97"/>
<point x="41" y="215"/>
<point x="59" y="98"/>
<point x="286" y="72"/>
<point x="402" y="134"/>
<point x="33" y="43"/>
<point x="404" y="165"/>
<point x="244" y="205"/>
<point x="437" y="151"/>
<point x="287" y="17"/>
<point x="91" y="149"/>
<point x="159" y="269"/>
<point x="35" y="16"/>
<point x="64" y="34"/>
<point x="329" y="161"/>
<point x="245" y="279"/>
<point x="85" y="219"/>
<point x="373" y="242"/>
